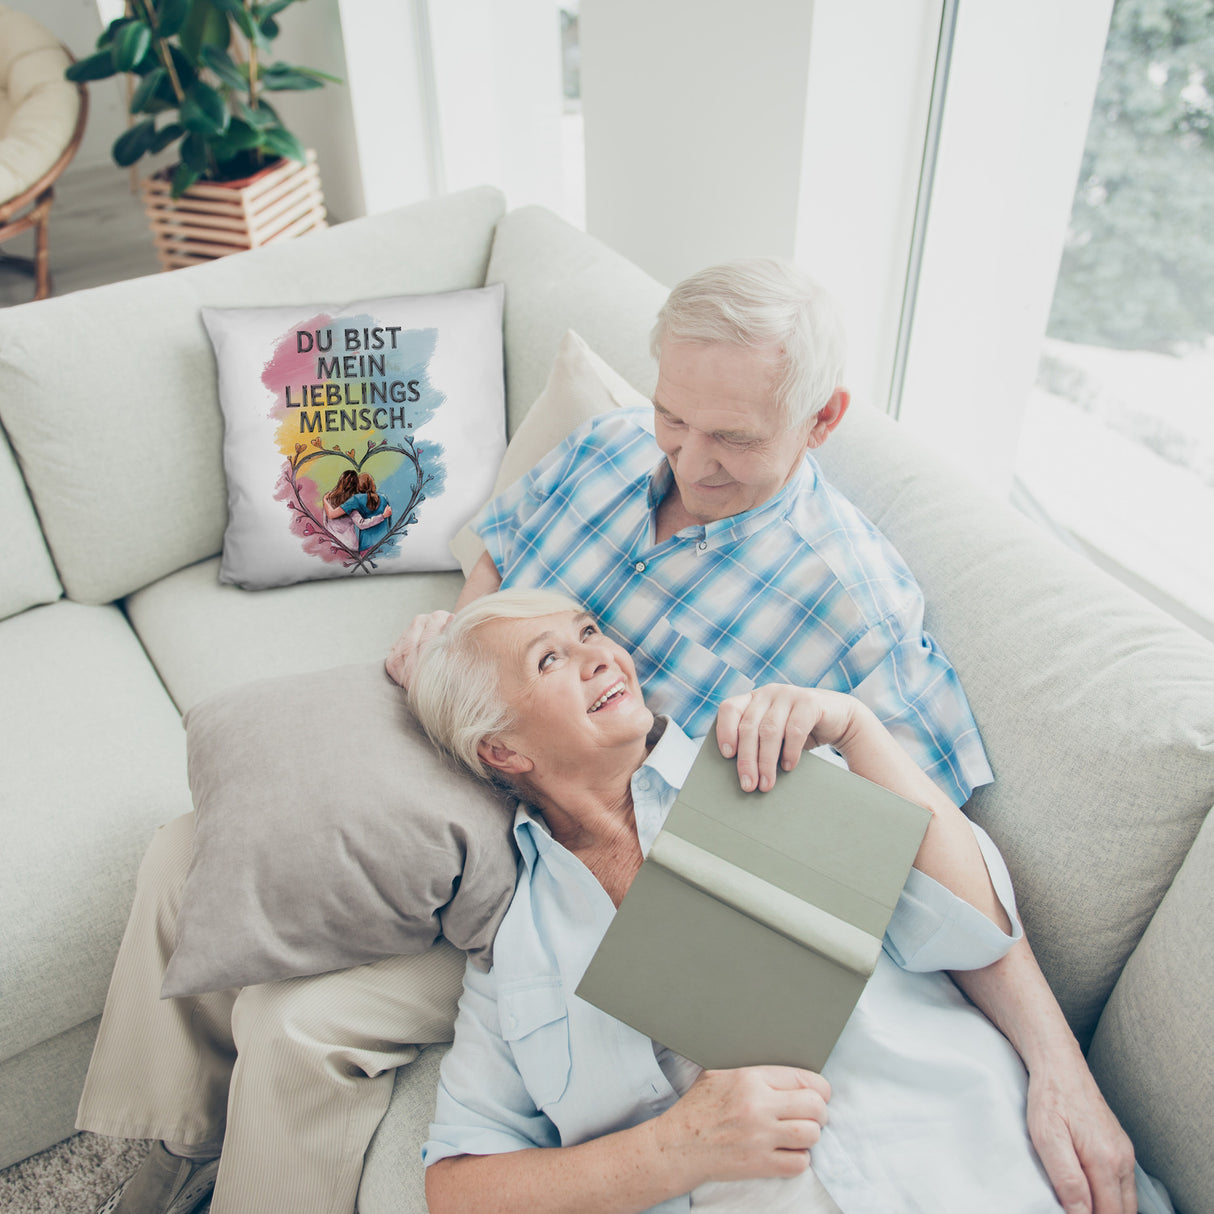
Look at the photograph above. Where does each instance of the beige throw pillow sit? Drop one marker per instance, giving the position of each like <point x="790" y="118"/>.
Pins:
<point x="580" y="386"/>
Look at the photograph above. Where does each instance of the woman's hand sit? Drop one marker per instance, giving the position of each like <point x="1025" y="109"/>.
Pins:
<point x="772" y="725"/>
<point x="401" y="661"/>
<point x="387" y="512"/>
<point x="755" y="1121"/>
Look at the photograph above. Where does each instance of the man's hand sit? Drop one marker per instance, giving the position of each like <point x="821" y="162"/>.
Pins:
<point x="401" y="661"/>
<point x="770" y="727"/>
<point x="1086" y="1154"/>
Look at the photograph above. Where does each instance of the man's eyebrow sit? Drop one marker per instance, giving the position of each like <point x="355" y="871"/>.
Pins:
<point x="745" y="436"/>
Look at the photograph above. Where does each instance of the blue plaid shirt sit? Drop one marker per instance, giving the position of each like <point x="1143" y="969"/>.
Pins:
<point x="802" y="589"/>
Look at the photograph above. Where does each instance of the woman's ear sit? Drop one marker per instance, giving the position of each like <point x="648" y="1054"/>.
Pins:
<point x="494" y="753"/>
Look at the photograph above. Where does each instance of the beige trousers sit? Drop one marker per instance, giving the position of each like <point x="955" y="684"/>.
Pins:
<point x="293" y="1076"/>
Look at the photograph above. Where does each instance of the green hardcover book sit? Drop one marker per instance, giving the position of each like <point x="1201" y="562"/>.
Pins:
<point x="756" y="919"/>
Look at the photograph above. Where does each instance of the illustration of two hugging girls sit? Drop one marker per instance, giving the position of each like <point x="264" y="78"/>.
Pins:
<point x="356" y="514"/>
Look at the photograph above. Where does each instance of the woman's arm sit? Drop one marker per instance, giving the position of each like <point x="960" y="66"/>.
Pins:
<point x="331" y="511"/>
<point x="730" y="1125"/>
<point x="362" y="521"/>
<point x="770" y="727"/>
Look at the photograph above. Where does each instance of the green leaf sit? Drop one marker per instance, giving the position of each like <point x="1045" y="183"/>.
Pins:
<point x="268" y="28"/>
<point x="238" y="13"/>
<point x="225" y="67"/>
<point x="144" y="97"/>
<point x="203" y="111"/>
<point x="194" y="153"/>
<point x="241" y="137"/>
<point x="317" y="74"/>
<point x="262" y="118"/>
<point x="106" y="38"/>
<point x="130" y="45"/>
<point x="171" y="16"/>
<point x="183" y="178"/>
<point x="96" y="67"/>
<point x="187" y="73"/>
<point x="281" y="142"/>
<point x="205" y="26"/>
<point x="279" y="77"/>
<point x="272" y="9"/>
<point x="132" y="144"/>
<point x="166" y="135"/>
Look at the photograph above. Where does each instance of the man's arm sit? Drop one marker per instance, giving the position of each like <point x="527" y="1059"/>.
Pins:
<point x="1087" y="1155"/>
<point x="484" y="579"/>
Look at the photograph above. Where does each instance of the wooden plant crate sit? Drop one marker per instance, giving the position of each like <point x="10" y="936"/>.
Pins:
<point x="215" y="218"/>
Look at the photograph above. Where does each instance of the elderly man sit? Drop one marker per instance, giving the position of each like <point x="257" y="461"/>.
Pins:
<point x="704" y="538"/>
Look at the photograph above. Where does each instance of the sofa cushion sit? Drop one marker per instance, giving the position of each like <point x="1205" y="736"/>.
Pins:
<point x="127" y="372"/>
<point x="558" y="278"/>
<point x="27" y="574"/>
<point x="393" y="1179"/>
<point x="329" y="833"/>
<point x="1152" y="1054"/>
<point x="1097" y="710"/>
<point x="204" y="637"/>
<point x="396" y="405"/>
<point x="93" y="760"/>
<point x="580" y="386"/>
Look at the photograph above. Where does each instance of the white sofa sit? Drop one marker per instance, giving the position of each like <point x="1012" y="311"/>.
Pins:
<point x="1097" y="711"/>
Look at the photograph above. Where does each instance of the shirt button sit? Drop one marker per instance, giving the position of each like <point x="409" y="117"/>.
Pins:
<point x="702" y="545"/>
<point x="639" y="566"/>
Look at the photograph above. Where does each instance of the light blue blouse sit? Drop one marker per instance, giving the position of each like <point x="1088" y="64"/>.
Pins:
<point x="928" y="1104"/>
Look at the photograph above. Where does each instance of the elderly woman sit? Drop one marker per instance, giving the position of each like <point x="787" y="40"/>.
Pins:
<point x="547" y="1103"/>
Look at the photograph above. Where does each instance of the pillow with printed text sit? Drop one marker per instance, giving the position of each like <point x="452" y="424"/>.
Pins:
<point x="358" y="438"/>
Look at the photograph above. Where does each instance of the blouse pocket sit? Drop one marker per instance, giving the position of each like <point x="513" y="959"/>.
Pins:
<point x="535" y="1023"/>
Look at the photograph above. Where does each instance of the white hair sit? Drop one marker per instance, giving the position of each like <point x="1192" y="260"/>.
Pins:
<point x="763" y="303"/>
<point x="454" y="691"/>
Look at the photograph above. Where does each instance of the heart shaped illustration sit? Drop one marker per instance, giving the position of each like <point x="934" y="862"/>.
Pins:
<point x="313" y="476"/>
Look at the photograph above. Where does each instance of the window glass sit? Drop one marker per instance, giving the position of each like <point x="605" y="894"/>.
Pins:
<point x="1117" y="447"/>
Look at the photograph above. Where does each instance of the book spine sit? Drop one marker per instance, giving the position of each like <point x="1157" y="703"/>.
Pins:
<point x="802" y="922"/>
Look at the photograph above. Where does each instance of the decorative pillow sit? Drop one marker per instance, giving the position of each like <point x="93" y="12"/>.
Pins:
<point x="329" y="832"/>
<point x="580" y="386"/>
<point x="357" y="438"/>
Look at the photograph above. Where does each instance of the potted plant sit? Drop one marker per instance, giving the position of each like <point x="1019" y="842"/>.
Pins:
<point x="201" y="71"/>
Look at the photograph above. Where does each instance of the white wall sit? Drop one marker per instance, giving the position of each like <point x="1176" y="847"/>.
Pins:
<point x="695" y="125"/>
<point x="870" y="81"/>
<point x="497" y="68"/>
<point x="387" y="66"/>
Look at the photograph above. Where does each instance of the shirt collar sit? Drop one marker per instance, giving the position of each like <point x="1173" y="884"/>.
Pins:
<point x="655" y="784"/>
<point x="737" y="526"/>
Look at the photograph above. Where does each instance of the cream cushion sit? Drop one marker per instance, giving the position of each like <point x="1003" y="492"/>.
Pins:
<point x="204" y="637"/>
<point x="146" y="486"/>
<point x="38" y="106"/>
<point x="112" y="769"/>
<point x="27" y="575"/>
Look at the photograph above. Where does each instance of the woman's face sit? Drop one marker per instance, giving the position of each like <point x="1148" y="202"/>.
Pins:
<point x="574" y="692"/>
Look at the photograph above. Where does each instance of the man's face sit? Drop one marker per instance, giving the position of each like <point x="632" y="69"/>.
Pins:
<point x="573" y="691"/>
<point x="716" y="419"/>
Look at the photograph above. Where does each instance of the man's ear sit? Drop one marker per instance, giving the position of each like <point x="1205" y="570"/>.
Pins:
<point x="501" y="758"/>
<point x="829" y="416"/>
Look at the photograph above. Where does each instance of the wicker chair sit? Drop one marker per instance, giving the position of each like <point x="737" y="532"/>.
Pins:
<point x="42" y="118"/>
